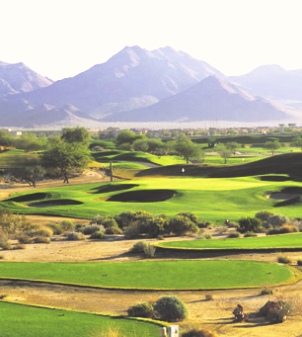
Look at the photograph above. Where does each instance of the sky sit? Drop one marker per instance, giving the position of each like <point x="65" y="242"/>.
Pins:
<point x="62" y="38"/>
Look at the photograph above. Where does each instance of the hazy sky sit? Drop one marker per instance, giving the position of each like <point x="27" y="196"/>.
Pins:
<point x="61" y="38"/>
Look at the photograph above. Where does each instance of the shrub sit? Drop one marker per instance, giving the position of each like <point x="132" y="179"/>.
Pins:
<point x="138" y="247"/>
<point x="88" y="230"/>
<point x="284" y="229"/>
<point x="4" y="244"/>
<point x="277" y="220"/>
<point x="209" y="297"/>
<point x="149" y="250"/>
<point x="263" y="215"/>
<point x="234" y="235"/>
<point x="75" y="236"/>
<point x="97" y="235"/>
<point x="266" y="291"/>
<point x="199" y="333"/>
<point x="132" y="231"/>
<point x="180" y="225"/>
<point x="41" y="239"/>
<point x="170" y="309"/>
<point x="24" y="238"/>
<point x="40" y="232"/>
<point x="284" y="260"/>
<point x="56" y="228"/>
<point x="249" y="225"/>
<point x="67" y="225"/>
<point x="249" y="234"/>
<point x="144" y="309"/>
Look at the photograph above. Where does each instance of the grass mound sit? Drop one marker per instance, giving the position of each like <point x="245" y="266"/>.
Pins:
<point x="60" y="202"/>
<point x="274" y="178"/>
<point x="143" y="196"/>
<point x="287" y="164"/>
<point x="112" y="188"/>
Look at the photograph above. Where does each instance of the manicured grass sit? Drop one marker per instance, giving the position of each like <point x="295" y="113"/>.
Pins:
<point x="271" y="241"/>
<point x="211" y="199"/>
<point x="186" y="275"/>
<point x="28" y="321"/>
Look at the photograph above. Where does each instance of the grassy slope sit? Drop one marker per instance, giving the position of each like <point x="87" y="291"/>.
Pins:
<point x="187" y="275"/>
<point x="28" y="321"/>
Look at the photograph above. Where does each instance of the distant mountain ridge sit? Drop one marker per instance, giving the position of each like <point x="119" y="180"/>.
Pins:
<point x="138" y="85"/>
<point x="17" y="78"/>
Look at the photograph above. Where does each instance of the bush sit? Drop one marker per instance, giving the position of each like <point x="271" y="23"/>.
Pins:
<point x="249" y="225"/>
<point x="284" y="229"/>
<point x="144" y="309"/>
<point x="67" y="225"/>
<point x="234" y="235"/>
<point x="277" y="220"/>
<point x="88" y="230"/>
<point x="149" y="250"/>
<point x="4" y="244"/>
<point x="170" y="309"/>
<point x="97" y="235"/>
<point x="139" y="247"/>
<point x="263" y="215"/>
<point x="209" y="297"/>
<point x="199" y="333"/>
<point x="24" y="238"/>
<point x="266" y="291"/>
<point x="249" y="234"/>
<point x="75" y="236"/>
<point x="181" y="225"/>
<point x="56" y="228"/>
<point x="41" y="239"/>
<point x="284" y="260"/>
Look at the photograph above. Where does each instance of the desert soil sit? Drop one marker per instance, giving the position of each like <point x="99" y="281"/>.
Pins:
<point x="214" y="314"/>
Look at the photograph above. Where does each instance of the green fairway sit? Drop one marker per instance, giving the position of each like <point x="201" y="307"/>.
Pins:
<point x="271" y="241"/>
<point x="186" y="275"/>
<point x="28" y="321"/>
<point x="211" y="199"/>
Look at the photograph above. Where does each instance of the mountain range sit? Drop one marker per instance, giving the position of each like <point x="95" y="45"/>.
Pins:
<point x="141" y="86"/>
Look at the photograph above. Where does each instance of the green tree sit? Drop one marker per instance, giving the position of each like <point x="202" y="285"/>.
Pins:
<point x="297" y="142"/>
<point x="32" y="169"/>
<point x="66" y="158"/>
<point x="233" y="146"/>
<point x="141" y="145"/>
<point x="76" y="135"/>
<point x="126" y="137"/>
<point x="224" y="152"/>
<point x="186" y="148"/>
<point x="272" y="145"/>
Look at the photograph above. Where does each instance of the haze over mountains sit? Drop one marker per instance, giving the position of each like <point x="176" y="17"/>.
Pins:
<point x="137" y="85"/>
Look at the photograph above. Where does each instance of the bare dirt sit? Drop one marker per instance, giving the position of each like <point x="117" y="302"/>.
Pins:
<point x="214" y="314"/>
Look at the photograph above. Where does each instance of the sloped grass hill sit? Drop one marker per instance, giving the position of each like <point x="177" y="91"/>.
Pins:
<point x="288" y="164"/>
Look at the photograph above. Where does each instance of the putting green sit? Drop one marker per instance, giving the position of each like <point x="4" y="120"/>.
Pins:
<point x="154" y="275"/>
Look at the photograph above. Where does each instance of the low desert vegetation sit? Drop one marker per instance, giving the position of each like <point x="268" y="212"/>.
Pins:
<point x="166" y="308"/>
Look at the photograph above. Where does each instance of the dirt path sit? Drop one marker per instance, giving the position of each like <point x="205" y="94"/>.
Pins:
<point x="215" y="314"/>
